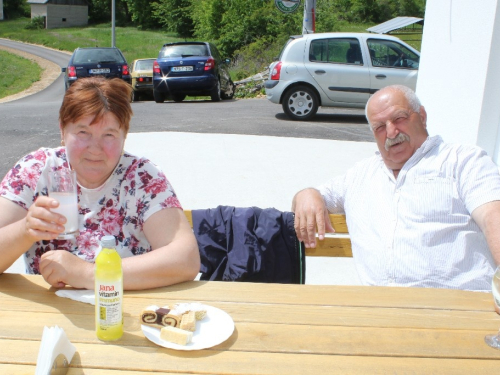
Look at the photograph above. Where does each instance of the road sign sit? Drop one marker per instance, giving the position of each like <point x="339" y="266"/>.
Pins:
<point x="289" y="6"/>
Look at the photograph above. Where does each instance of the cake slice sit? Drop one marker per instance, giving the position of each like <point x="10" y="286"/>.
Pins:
<point x="176" y="335"/>
<point x="149" y="316"/>
<point x="188" y="321"/>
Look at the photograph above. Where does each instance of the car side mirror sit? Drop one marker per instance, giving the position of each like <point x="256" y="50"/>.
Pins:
<point x="63" y="70"/>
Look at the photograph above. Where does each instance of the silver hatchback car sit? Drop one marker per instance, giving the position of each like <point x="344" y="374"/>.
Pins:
<point x="338" y="70"/>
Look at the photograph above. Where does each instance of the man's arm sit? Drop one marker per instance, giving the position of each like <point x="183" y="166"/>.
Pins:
<point x="487" y="217"/>
<point x="311" y="214"/>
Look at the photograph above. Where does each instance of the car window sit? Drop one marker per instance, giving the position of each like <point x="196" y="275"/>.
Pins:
<point x="336" y="50"/>
<point x="215" y="52"/>
<point x="83" y="56"/>
<point x="144" y="65"/>
<point x="387" y="53"/>
<point x="184" y="50"/>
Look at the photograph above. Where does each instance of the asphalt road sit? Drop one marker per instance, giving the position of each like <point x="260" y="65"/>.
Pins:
<point x="32" y="122"/>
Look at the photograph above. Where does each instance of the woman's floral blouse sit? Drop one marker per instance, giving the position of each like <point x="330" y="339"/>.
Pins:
<point x="135" y="190"/>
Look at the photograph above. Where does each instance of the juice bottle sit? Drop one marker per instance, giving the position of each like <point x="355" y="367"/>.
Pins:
<point x="495" y="289"/>
<point x="108" y="292"/>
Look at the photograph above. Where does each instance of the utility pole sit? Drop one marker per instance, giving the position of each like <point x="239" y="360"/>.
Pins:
<point x="309" y="23"/>
<point x="113" y="39"/>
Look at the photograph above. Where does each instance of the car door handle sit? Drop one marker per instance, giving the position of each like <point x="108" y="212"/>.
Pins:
<point x="319" y="71"/>
<point x="380" y="76"/>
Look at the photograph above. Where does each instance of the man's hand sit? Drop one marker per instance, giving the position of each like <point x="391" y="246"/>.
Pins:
<point x="310" y="215"/>
<point x="60" y="268"/>
<point x="41" y="223"/>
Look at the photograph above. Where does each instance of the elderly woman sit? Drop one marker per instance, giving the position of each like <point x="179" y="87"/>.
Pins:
<point x="119" y="194"/>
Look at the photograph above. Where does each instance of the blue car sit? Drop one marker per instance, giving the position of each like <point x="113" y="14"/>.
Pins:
<point x="191" y="68"/>
<point x="107" y="62"/>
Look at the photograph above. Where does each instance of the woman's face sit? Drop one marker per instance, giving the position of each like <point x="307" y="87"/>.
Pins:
<point x="93" y="150"/>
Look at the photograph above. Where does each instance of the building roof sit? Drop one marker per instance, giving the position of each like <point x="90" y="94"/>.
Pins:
<point x="60" y="2"/>
<point x="395" y="23"/>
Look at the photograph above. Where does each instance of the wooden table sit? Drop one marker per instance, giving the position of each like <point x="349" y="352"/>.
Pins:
<point x="279" y="329"/>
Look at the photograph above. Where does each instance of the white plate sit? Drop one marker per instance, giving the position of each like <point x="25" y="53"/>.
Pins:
<point x="216" y="327"/>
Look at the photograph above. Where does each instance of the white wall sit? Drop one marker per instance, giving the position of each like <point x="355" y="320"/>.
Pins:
<point x="459" y="74"/>
<point x="75" y="15"/>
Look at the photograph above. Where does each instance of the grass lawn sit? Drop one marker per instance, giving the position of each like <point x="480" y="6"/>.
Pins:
<point x="16" y="73"/>
<point x="134" y="44"/>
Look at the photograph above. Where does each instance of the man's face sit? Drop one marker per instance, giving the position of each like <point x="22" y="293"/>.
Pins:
<point x="398" y="130"/>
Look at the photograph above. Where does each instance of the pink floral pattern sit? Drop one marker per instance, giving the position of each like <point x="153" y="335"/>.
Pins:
<point x="135" y="190"/>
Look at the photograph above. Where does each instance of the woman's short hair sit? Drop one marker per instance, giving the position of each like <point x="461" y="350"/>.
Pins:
<point x="97" y="96"/>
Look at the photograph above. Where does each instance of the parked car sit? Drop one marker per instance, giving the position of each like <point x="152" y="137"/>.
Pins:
<point x="337" y="70"/>
<point x="191" y="68"/>
<point x="108" y="62"/>
<point x="142" y="78"/>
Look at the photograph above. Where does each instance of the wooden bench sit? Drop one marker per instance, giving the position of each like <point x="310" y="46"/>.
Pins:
<point x="331" y="246"/>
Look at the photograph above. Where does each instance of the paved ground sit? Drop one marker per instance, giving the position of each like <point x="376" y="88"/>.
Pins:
<point x="207" y="170"/>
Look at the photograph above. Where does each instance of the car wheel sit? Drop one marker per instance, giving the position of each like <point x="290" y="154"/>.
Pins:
<point x="135" y="96"/>
<point x="178" y="97"/>
<point x="159" y="97"/>
<point x="300" y="103"/>
<point x="229" y="94"/>
<point x="215" y="94"/>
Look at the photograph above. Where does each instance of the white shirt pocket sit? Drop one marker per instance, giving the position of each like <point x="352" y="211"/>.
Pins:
<point x="430" y="198"/>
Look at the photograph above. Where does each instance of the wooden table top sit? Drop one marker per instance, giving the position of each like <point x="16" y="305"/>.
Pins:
<point x="279" y="329"/>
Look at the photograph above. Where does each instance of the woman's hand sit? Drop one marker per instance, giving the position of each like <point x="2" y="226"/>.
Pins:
<point x="60" y="268"/>
<point x="41" y="223"/>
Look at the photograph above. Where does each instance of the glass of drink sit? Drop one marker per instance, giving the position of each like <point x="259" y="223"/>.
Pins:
<point x="494" y="340"/>
<point x="63" y="188"/>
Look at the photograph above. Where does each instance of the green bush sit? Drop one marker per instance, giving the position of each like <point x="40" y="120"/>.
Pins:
<point x="36" y="23"/>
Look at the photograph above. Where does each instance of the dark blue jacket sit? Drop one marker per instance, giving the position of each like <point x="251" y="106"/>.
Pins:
<point x="248" y="244"/>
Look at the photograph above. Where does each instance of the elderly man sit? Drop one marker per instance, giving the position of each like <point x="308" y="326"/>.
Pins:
<point x="420" y="212"/>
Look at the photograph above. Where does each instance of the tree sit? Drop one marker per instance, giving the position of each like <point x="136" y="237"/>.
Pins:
<point x="140" y="12"/>
<point x="100" y="12"/>
<point x="15" y="8"/>
<point x="174" y="15"/>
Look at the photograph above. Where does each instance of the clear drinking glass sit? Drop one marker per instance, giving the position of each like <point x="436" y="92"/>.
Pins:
<point x="63" y="188"/>
<point x="494" y="340"/>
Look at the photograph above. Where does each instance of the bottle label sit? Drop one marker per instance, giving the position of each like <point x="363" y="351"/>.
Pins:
<point x="109" y="300"/>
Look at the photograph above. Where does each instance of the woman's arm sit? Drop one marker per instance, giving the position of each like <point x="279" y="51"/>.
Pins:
<point x="20" y="228"/>
<point x="175" y="258"/>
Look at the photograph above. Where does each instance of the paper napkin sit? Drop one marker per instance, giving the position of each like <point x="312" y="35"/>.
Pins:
<point x="54" y="342"/>
<point x="83" y="295"/>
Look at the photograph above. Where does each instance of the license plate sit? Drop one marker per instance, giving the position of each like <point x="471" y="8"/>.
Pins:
<point x="182" y="69"/>
<point x="98" y="71"/>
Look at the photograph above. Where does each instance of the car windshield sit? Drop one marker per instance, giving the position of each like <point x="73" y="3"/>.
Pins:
<point x="144" y="64"/>
<point x="184" y="50"/>
<point x="85" y="56"/>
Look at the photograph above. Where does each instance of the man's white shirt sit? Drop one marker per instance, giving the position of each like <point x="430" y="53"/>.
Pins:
<point x="417" y="230"/>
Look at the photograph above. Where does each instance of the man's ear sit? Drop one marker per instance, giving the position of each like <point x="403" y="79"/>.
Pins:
<point x="423" y="116"/>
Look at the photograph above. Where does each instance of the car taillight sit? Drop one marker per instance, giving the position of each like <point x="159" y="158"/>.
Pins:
<point x="156" y="68"/>
<point x="71" y="71"/>
<point x="275" y="74"/>
<point x="209" y="64"/>
<point x="125" y="70"/>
